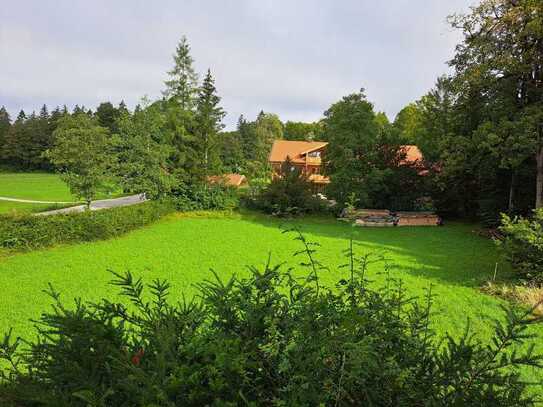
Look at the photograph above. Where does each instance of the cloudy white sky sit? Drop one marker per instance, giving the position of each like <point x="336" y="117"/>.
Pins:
<point x="290" y="57"/>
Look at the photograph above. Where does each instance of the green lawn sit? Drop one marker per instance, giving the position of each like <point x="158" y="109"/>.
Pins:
<point x="33" y="186"/>
<point x="452" y="259"/>
<point x="37" y="186"/>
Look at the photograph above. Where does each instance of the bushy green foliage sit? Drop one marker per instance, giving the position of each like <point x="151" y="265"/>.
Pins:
<point x="523" y="244"/>
<point x="304" y="131"/>
<point x="274" y="338"/>
<point x="143" y="156"/>
<point x="198" y="197"/>
<point x="31" y="232"/>
<point x="84" y="154"/>
<point x="289" y="194"/>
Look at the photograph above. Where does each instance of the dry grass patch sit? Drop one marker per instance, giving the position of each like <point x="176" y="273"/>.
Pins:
<point x="529" y="294"/>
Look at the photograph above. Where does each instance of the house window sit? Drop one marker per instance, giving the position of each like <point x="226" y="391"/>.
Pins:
<point x="314" y="154"/>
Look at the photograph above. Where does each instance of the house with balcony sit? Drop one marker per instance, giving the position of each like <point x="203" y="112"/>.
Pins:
<point x="309" y="156"/>
<point x="305" y="155"/>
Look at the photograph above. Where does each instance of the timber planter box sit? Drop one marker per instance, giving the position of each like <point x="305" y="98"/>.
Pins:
<point x="418" y="219"/>
<point x="386" y="218"/>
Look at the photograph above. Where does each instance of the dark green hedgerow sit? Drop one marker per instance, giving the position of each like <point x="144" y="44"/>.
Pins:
<point x="272" y="339"/>
<point x="32" y="232"/>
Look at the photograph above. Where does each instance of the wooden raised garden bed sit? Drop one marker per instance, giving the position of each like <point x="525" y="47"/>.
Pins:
<point x="386" y="218"/>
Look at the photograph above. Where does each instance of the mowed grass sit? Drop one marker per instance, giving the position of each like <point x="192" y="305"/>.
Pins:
<point x="453" y="260"/>
<point x="36" y="186"/>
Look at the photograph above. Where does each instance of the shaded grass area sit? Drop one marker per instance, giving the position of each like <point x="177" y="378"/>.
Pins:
<point x="183" y="248"/>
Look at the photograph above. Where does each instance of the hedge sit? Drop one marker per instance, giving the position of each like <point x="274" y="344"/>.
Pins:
<point x="29" y="232"/>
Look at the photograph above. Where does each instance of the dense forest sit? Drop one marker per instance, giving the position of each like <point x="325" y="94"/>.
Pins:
<point x="480" y="128"/>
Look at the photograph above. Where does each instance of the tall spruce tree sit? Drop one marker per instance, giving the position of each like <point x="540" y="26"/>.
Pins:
<point x="5" y="124"/>
<point x="183" y="82"/>
<point x="107" y="116"/>
<point x="208" y="124"/>
<point x="42" y="139"/>
<point x="13" y="149"/>
<point x="122" y="109"/>
<point x="55" y="117"/>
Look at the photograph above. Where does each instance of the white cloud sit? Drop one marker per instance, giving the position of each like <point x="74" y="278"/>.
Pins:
<point x="292" y="58"/>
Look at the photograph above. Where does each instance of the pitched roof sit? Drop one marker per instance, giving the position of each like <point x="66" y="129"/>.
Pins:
<point x="282" y="149"/>
<point x="412" y="154"/>
<point x="234" y="180"/>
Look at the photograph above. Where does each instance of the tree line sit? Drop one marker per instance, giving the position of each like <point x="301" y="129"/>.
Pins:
<point x="483" y="124"/>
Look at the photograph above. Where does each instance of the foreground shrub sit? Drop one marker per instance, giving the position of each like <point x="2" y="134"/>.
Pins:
<point x="31" y="232"/>
<point x="198" y="197"/>
<point x="270" y="339"/>
<point x="522" y="245"/>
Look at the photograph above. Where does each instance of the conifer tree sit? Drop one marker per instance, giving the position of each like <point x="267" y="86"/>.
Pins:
<point x="107" y="116"/>
<point x="5" y="124"/>
<point x="12" y="151"/>
<point x="208" y="122"/>
<point x="55" y="117"/>
<point x="122" y="108"/>
<point x="183" y="82"/>
<point x="41" y="139"/>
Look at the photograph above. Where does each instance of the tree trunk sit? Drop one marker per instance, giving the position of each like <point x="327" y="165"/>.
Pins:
<point x="511" y="192"/>
<point x="539" y="179"/>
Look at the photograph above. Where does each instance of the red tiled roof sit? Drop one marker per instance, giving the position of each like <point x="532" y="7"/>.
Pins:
<point x="282" y="149"/>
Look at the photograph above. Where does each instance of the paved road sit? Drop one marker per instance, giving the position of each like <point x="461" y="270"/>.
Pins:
<point x="100" y="204"/>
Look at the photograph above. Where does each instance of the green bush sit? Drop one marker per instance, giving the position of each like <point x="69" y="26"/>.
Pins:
<point x="289" y="194"/>
<point x="522" y="244"/>
<point x="31" y="232"/>
<point x="198" y="197"/>
<point x="271" y="339"/>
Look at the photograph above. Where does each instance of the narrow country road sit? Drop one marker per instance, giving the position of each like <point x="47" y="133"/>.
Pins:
<point x="100" y="204"/>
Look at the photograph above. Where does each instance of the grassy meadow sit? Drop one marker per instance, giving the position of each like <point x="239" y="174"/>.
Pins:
<point x="36" y="186"/>
<point x="453" y="260"/>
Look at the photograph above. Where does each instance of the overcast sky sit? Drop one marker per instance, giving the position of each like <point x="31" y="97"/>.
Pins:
<point x="290" y="57"/>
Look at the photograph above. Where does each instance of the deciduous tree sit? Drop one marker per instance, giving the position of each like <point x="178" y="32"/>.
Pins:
<point x="144" y="152"/>
<point x="84" y="155"/>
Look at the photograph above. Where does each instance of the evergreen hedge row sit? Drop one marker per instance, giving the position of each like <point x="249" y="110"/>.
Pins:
<point x="34" y="232"/>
